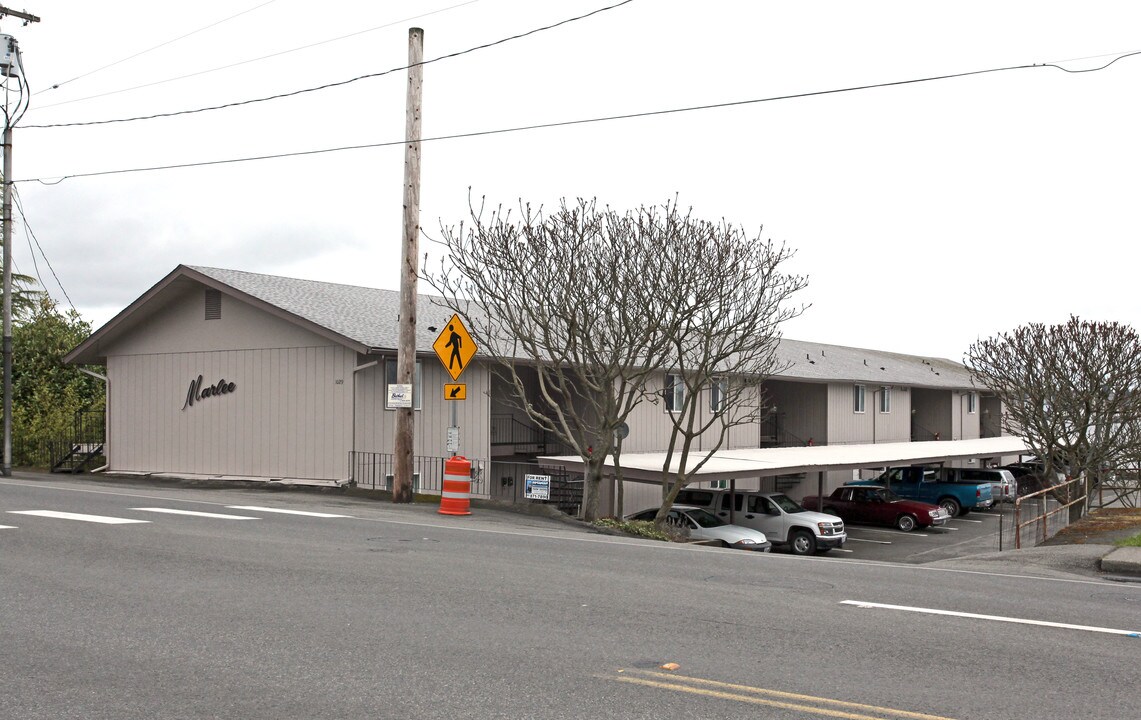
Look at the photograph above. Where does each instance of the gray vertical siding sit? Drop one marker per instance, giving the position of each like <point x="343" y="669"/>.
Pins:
<point x="375" y="429"/>
<point x="846" y="426"/>
<point x="285" y="418"/>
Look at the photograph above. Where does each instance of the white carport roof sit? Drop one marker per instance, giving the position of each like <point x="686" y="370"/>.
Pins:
<point x="760" y="462"/>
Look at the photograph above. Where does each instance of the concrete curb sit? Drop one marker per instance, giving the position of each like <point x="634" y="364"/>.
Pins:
<point x="1124" y="561"/>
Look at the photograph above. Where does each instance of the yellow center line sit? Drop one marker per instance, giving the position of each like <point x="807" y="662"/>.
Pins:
<point x="678" y="682"/>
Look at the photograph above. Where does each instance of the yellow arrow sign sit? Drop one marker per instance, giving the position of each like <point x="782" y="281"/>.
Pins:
<point x="455" y="391"/>
<point x="454" y="347"/>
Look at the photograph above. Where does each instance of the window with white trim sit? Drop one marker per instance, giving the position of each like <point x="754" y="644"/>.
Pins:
<point x="717" y="390"/>
<point x="858" y="392"/>
<point x="674" y="392"/>
<point x="885" y="400"/>
<point x="972" y="402"/>
<point x="390" y="379"/>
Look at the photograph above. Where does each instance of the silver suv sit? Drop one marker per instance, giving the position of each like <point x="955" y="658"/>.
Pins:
<point x="1003" y="486"/>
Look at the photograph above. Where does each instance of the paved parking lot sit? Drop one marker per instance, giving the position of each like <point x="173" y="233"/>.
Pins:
<point x="975" y="532"/>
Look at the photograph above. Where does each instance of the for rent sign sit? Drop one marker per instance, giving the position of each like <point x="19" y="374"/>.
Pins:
<point x="537" y="487"/>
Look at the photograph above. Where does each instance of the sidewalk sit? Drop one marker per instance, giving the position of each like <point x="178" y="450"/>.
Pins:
<point x="1124" y="561"/>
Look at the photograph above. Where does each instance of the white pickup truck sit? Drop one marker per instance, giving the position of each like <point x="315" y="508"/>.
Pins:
<point x="783" y="521"/>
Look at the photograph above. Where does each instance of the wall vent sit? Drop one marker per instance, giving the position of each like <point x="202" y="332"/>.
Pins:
<point x="390" y="481"/>
<point x="213" y="304"/>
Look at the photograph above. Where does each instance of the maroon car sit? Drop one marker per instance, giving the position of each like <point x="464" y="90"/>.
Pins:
<point x="875" y="504"/>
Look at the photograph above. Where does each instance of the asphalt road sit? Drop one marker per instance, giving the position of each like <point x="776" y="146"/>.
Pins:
<point x="973" y="533"/>
<point x="366" y="609"/>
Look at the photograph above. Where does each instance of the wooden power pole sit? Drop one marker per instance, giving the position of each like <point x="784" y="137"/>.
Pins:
<point x="10" y="68"/>
<point x="406" y="351"/>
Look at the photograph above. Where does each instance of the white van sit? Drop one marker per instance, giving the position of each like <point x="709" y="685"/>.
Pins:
<point x="781" y="519"/>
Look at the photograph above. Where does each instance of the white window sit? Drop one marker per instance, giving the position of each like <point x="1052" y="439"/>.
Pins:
<point x="972" y="402"/>
<point x="674" y="392"/>
<point x="717" y="392"/>
<point x="390" y="379"/>
<point x="885" y="400"/>
<point x="858" y="398"/>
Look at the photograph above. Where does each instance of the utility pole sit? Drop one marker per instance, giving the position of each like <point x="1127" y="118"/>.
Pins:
<point x="10" y="68"/>
<point x="410" y="251"/>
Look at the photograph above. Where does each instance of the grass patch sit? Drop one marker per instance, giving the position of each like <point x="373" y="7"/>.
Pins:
<point x="1134" y="541"/>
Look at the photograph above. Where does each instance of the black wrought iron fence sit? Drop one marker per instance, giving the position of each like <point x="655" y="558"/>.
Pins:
<point x="42" y="451"/>
<point x="375" y="471"/>
<point x="508" y="483"/>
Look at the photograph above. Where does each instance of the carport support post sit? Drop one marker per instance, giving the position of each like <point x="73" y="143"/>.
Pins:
<point x="732" y="500"/>
<point x="820" y="491"/>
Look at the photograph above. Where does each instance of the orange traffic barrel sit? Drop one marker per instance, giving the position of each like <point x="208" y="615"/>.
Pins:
<point x="456" y="496"/>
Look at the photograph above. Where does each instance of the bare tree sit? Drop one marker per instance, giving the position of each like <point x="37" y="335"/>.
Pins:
<point x="731" y="296"/>
<point x="1071" y="391"/>
<point x="561" y="302"/>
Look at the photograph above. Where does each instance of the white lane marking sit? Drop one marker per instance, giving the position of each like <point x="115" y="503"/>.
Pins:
<point x="8" y="527"/>
<point x="196" y="513"/>
<point x="998" y="618"/>
<point x="254" y="508"/>
<point x="959" y="519"/>
<point x="77" y="516"/>
<point x="886" y="532"/>
<point x="842" y="550"/>
<point x="877" y="542"/>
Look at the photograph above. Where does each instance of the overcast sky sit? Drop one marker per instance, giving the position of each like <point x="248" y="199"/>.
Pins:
<point x="926" y="215"/>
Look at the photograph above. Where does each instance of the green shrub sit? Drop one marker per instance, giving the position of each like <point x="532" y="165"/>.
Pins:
<point x="643" y="528"/>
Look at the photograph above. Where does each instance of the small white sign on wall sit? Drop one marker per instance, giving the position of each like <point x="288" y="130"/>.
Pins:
<point x="400" y="395"/>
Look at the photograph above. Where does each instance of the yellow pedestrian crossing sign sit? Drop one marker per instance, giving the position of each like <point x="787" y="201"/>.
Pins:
<point x="454" y="347"/>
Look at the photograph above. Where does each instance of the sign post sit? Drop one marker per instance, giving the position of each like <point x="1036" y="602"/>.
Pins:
<point x="455" y="348"/>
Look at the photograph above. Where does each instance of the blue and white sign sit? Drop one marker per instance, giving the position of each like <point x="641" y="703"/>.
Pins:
<point x="537" y="487"/>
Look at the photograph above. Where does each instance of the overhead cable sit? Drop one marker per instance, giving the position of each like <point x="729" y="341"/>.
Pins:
<point x="566" y="123"/>
<point x="327" y="86"/>
<point x="151" y="49"/>
<point x="253" y="60"/>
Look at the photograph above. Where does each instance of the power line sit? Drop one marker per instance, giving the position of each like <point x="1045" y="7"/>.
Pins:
<point x="242" y="62"/>
<point x="334" y="84"/>
<point x="32" y="238"/>
<point x="584" y="121"/>
<point x="151" y="49"/>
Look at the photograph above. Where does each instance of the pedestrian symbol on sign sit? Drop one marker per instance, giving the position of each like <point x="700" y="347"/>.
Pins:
<point x="455" y="341"/>
<point x="454" y="347"/>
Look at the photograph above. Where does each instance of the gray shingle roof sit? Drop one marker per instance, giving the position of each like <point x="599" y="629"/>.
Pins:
<point x="368" y="317"/>
<point x="815" y="361"/>
<point x="365" y="315"/>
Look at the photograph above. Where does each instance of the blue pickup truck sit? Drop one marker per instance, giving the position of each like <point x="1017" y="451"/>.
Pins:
<point x="957" y="497"/>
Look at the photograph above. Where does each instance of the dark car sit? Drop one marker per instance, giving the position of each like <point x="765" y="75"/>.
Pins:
<point x="1031" y="477"/>
<point x="875" y="504"/>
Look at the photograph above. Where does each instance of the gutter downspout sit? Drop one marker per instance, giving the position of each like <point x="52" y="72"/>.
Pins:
<point x="106" y="416"/>
<point x="353" y="439"/>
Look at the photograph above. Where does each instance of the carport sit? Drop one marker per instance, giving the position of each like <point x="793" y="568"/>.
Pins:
<point x="762" y="462"/>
